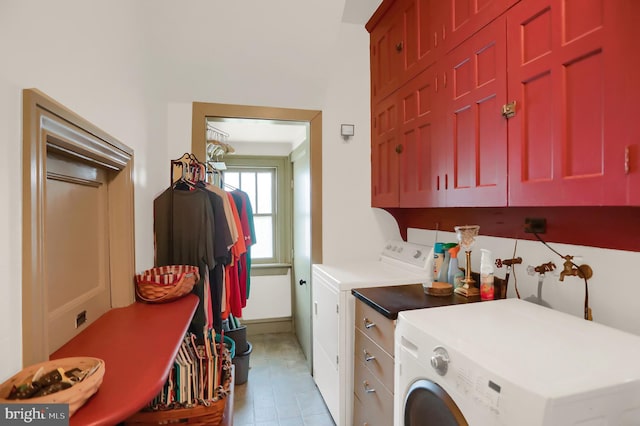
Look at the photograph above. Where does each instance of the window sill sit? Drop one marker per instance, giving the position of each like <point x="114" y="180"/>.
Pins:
<point x="267" y="269"/>
<point x="138" y="344"/>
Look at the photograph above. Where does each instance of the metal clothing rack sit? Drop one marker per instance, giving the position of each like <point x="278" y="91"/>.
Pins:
<point x="217" y="147"/>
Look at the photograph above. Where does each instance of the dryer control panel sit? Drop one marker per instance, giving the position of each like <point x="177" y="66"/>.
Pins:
<point x="406" y="254"/>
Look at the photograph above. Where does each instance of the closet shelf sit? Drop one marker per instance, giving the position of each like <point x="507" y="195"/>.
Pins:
<point x="138" y="344"/>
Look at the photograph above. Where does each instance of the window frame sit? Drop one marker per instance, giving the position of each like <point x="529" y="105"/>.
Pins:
<point x="282" y="235"/>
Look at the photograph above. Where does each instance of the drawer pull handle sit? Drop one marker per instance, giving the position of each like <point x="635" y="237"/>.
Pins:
<point x="368" y="324"/>
<point x="367" y="389"/>
<point x="367" y="356"/>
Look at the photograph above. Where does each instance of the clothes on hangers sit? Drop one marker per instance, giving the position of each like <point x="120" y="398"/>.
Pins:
<point x="232" y="277"/>
<point x="196" y="223"/>
<point x="244" y="206"/>
<point x="223" y="241"/>
<point x="184" y="235"/>
<point x="227" y="210"/>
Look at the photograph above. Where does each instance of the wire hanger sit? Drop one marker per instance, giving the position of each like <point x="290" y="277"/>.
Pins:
<point x="190" y="170"/>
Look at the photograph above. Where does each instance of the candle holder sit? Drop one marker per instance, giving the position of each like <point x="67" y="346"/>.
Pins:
<point x="467" y="237"/>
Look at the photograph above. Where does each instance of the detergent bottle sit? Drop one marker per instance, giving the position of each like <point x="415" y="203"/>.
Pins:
<point x="486" y="275"/>
<point x="455" y="274"/>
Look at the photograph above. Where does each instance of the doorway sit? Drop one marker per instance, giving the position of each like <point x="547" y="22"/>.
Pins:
<point x="301" y="294"/>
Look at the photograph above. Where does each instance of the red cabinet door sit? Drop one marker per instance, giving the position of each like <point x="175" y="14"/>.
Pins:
<point x="428" y="33"/>
<point x="475" y="132"/>
<point x="566" y="140"/>
<point x="385" y="149"/>
<point x="626" y="87"/>
<point x="418" y="162"/>
<point x="463" y="18"/>
<point x="402" y="45"/>
<point x="386" y="45"/>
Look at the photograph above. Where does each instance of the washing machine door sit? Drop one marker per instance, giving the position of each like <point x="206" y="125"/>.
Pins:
<point x="427" y="404"/>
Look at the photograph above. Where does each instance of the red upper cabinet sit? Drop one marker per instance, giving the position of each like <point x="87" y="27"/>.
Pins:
<point x="474" y="130"/>
<point x="386" y="48"/>
<point x="404" y="152"/>
<point x="402" y="44"/>
<point x="385" y="148"/>
<point x="460" y="19"/>
<point x="419" y="159"/>
<point x="626" y="86"/>
<point x="569" y="77"/>
<point x="442" y="77"/>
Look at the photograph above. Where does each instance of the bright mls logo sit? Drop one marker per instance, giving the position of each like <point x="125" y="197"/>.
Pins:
<point x="35" y="414"/>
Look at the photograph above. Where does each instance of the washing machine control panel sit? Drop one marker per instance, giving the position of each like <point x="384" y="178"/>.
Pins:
<point x="480" y="389"/>
<point x="469" y="381"/>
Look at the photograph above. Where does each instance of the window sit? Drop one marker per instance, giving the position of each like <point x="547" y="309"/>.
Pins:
<point x="263" y="179"/>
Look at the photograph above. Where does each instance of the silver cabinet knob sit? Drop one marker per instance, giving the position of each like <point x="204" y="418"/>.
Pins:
<point x="368" y="324"/>
<point x="367" y="356"/>
<point x="367" y="389"/>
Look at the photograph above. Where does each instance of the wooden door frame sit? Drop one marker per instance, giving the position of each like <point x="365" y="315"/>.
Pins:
<point x="202" y="110"/>
<point x="48" y="124"/>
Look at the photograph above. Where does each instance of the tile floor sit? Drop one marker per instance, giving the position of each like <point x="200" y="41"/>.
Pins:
<point x="280" y="390"/>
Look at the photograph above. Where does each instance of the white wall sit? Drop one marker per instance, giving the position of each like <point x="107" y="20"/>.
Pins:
<point x="347" y="216"/>
<point x="270" y="297"/>
<point x="611" y="288"/>
<point x="351" y="230"/>
<point x="133" y="69"/>
<point x="91" y="66"/>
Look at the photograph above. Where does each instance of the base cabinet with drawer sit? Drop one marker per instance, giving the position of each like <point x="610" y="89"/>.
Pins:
<point x="373" y="367"/>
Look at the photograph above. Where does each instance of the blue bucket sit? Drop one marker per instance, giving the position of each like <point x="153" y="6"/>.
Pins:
<point x="229" y="343"/>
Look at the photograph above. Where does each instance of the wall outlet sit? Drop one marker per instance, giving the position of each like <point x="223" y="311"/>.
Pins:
<point x="535" y="225"/>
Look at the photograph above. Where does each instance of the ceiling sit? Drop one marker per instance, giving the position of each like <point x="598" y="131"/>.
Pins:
<point x="271" y="131"/>
<point x="359" y="11"/>
<point x="245" y="130"/>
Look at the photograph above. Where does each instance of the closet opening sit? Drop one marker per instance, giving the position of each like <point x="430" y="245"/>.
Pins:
<point x="282" y="271"/>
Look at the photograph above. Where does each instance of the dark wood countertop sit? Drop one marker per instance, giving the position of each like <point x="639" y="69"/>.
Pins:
<point x="393" y="299"/>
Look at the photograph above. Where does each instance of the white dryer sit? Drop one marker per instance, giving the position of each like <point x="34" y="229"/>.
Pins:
<point x="511" y="362"/>
<point x="334" y="315"/>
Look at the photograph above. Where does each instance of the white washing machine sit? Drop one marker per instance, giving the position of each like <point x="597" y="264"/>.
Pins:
<point x="511" y="362"/>
<point x="334" y="315"/>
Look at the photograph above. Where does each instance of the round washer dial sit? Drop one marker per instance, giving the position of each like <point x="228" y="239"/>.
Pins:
<point x="440" y="360"/>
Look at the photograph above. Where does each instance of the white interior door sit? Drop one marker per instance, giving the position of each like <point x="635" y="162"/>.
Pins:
<point x="302" y="248"/>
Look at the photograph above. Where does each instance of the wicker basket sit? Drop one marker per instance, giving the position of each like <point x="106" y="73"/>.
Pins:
<point x="75" y="396"/>
<point x="201" y="415"/>
<point x="166" y="283"/>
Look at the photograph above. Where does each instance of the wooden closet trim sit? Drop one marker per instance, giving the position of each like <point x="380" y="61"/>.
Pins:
<point x="48" y="123"/>
<point x="202" y="110"/>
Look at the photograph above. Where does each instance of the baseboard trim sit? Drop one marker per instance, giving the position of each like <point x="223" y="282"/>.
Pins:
<point x="270" y="325"/>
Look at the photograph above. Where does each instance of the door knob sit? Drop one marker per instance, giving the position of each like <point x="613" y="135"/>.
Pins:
<point x="302" y="282"/>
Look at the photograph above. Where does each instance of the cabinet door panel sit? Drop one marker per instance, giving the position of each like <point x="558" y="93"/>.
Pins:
<point x="403" y="44"/>
<point x="384" y="158"/>
<point x="417" y="162"/>
<point x="564" y="144"/>
<point x="625" y="63"/>
<point x="463" y="18"/>
<point x="410" y="38"/>
<point x="386" y="63"/>
<point x="430" y="27"/>
<point x="475" y="132"/>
